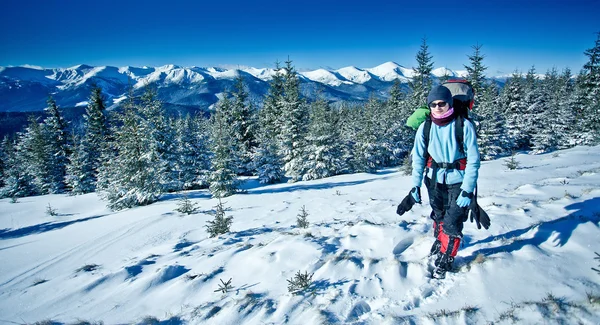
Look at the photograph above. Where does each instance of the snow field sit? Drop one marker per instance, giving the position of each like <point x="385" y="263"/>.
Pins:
<point x="370" y="266"/>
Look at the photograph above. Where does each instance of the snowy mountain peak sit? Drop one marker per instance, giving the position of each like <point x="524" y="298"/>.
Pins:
<point x="355" y="74"/>
<point x="389" y="71"/>
<point x="324" y="76"/>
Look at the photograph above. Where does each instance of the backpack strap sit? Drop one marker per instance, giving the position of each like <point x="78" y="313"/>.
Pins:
<point x="426" y="131"/>
<point x="459" y="129"/>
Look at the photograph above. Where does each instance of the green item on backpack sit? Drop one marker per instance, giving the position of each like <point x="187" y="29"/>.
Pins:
<point x="418" y="117"/>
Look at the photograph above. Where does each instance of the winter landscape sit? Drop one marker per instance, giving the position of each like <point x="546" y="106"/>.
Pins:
<point x="154" y="265"/>
<point x="180" y="194"/>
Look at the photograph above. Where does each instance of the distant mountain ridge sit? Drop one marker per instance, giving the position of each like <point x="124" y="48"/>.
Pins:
<point x="26" y="88"/>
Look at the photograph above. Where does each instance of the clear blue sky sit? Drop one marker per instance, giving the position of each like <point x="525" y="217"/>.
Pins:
<point x="313" y="33"/>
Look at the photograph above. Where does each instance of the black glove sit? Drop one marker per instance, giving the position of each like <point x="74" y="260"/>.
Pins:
<point x="480" y="216"/>
<point x="408" y="202"/>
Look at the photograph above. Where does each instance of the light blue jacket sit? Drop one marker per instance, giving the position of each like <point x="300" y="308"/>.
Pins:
<point x="444" y="148"/>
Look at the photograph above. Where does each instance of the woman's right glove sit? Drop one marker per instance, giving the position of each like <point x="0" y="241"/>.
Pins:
<point x="413" y="197"/>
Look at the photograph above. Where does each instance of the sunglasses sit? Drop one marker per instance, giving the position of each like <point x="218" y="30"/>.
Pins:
<point x="440" y="104"/>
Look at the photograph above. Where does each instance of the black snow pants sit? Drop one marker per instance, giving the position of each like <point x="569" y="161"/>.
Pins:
<point x="447" y="216"/>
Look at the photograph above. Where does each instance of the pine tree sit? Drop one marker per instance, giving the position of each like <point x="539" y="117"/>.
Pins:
<point x="324" y="148"/>
<point x="56" y="129"/>
<point x="580" y="136"/>
<point x="133" y="175"/>
<point x="421" y="81"/>
<point x="32" y="148"/>
<point x="243" y="126"/>
<point x="514" y="109"/>
<point x="294" y="126"/>
<point x="368" y="151"/>
<point x="476" y="72"/>
<point x="223" y="175"/>
<point x="3" y="160"/>
<point x="566" y="118"/>
<point x="491" y="136"/>
<point x="161" y="133"/>
<point x="193" y="153"/>
<point x="80" y="177"/>
<point x="591" y="88"/>
<point x="397" y="136"/>
<point x="17" y="181"/>
<point x="543" y="137"/>
<point x="267" y="159"/>
<point x="94" y="145"/>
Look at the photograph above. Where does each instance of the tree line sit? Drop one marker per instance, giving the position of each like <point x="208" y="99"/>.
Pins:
<point x="132" y="155"/>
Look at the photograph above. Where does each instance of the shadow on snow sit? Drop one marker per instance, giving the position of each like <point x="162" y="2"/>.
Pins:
<point x="305" y="187"/>
<point x="40" y="228"/>
<point x="587" y="211"/>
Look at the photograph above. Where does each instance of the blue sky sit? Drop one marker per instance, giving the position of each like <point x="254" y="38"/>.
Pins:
<point x="314" y="34"/>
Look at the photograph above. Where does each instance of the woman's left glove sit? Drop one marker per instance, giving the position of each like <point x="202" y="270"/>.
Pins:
<point x="464" y="199"/>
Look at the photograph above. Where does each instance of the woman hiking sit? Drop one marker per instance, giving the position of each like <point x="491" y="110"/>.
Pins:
<point x="450" y="175"/>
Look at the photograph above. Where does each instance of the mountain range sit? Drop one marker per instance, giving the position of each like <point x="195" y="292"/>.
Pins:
<point x="26" y="88"/>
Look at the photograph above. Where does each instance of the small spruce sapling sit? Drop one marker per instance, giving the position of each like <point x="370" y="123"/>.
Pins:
<point x="185" y="205"/>
<point x="301" y="219"/>
<point x="300" y="282"/>
<point x="512" y="163"/>
<point x="221" y="224"/>
<point x="406" y="167"/>
<point x="51" y="211"/>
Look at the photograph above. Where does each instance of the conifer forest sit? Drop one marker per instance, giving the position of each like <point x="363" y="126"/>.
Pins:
<point x="134" y="154"/>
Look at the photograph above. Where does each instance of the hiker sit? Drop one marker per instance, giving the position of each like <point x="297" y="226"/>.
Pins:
<point x="451" y="172"/>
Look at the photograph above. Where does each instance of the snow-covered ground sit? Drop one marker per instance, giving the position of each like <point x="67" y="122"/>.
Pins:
<point x="153" y="264"/>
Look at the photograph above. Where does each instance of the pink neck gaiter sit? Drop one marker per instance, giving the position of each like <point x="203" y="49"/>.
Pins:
<point x="448" y="113"/>
<point x="444" y="119"/>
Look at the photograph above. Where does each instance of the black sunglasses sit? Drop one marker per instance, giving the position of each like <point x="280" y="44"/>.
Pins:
<point x="440" y="104"/>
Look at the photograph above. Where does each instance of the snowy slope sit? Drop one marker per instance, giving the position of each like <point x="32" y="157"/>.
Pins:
<point x="532" y="266"/>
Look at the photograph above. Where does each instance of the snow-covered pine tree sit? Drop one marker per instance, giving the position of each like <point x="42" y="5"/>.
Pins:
<point x="580" y="135"/>
<point x="559" y="113"/>
<point x="531" y="80"/>
<point x="161" y="132"/>
<point x="491" y="135"/>
<point x="243" y="123"/>
<point x="95" y="142"/>
<point x="223" y="174"/>
<point x="476" y="73"/>
<point x="397" y="136"/>
<point x="539" y="117"/>
<point x="266" y="158"/>
<point x="132" y="176"/>
<point x="80" y="177"/>
<point x="514" y="109"/>
<point x="56" y="142"/>
<point x="368" y="150"/>
<point x="566" y="118"/>
<point x="294" y="125"/>
<point x="3" y="160"/>
<point x="324" y="143"/>
<point x="421" y="82"/>
<point x="349" y="116"/>
<point x="17" y="181"/>
<point x="193" y="153"/>
<point x="32" y="150"/>
<point x="591" y="86"/>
